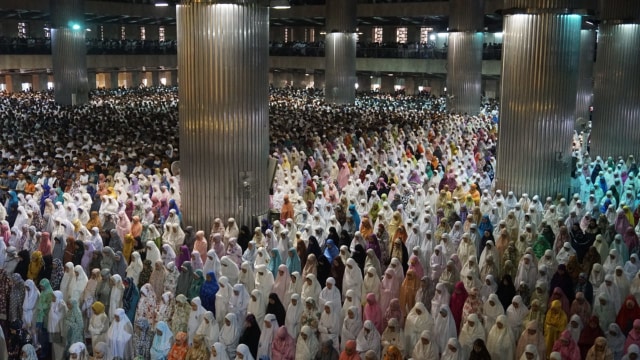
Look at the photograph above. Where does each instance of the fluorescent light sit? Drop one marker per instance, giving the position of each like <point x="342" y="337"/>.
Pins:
<point x="162" y="3"/>
<point x="280" y="4"/>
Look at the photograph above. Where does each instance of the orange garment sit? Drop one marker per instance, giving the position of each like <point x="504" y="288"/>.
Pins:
<point x="408" y="291"/>
<point x="366" y="228"/>
<point x="287" y="210"/>
<point x="136" y="227"/>
<point x="179" y="349"/>
<point x="30" y="188"/>
<point x="475" y="194"/>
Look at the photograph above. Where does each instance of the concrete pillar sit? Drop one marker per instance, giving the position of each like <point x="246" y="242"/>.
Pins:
<point x="464" y="56"/>
<point x="616" y="112"/>
<point x="364" y="83"/>
<point x="13" y="82"/>
<point x="155" y="78"/>
<point x="136" y="79"/>
<point x="113" y="79"/>
<point x="387" y="83"/>
<point x="68" y="52"/>
<point x="40" y="82"/>
<point x="540" y="59"/>
<point x="92" y="80"/>
<point x="319" y="80"/>
<point x="224" y="110"/>
<point x="340" y="52"/>
<point x="491" y="88"/>
<point x="584" y="97"/>
<point x="410" y="87"/>
<point x="173" y="78"/>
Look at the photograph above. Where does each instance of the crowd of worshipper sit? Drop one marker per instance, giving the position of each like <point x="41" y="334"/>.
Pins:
<point x="387" y="241"/>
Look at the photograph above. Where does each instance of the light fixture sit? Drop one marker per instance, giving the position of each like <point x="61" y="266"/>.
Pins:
<point x="75" y="26"/>
<point x="280" y="4"/>
<point x="161" y="3"/>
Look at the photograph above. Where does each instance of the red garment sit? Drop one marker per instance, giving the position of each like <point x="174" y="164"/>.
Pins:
<point x="373" y="312"/>
<point x="589" y="335"/>
<point x="629" y="311"/>
<point x="458" y="299"/>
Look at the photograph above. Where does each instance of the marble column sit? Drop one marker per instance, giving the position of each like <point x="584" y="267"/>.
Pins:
<point x="224" y="117"/>
<point x="464" y="56"/>
<point x="340" y="52"/>
<point x="584" y="97"/>
<point x="113" y="76"/>
<point x="541" y="55"/>
<point x="616" y="112"/>
<point x="68" y="52"/>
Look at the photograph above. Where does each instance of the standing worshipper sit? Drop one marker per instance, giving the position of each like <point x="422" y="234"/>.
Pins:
<point x="161" y="342"/>
<point x="98" y="324"/>
<point x="180" y="347"/>
<point x="55" y="325"/>
<point x="119" y="337"/>
<point x="73" y="324"/>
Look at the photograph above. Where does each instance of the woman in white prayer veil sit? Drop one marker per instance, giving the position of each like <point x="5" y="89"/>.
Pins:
<point x="549" y="260"/>
<point x="135" y="267"/>
<point x="230" y="334"/>
<point x="611" y="291"/>
<point x="614" y="260"/>
<point x="393" y="335"/>
<point x="441" y="297"/>
<point x="119" y="337"/>
<point x="330" y="324"/>
<point x="492" y="309"/>
<point x="239" y="301"/>
<point x="195" y="318"/>
<point x="67" y="284"/>
<point x="229" y="269"/>
<point x="247" y="277"/>
<point x="115" y="298"/>
<point x="470" y="332"/>
<point x="351" y="325"/>
<point x="516" y="313"/>
<point x="223" y="296"/>
<point x="263" y="279"/>
<point x="368" y="339"/>
<point x="352" y="278"/>
<point x="489" y="250"/>
<point x="257" y="307"/>
<point x="438" y="263"/>
<point x="417" y="321"/>
<point x="307" y="345"/>
<point x="500" y="341"/>
<point x="445" y="327"/>
<point x="329" y="293"/>
<point x="454" y="351"/>
<point x="219" y="352"/>
<point x="80" y="283"/>
<point x="426" y="348"/>
<point x="212" y="264"/>
<point x="530" y="353"/>
<point x="371" y="283"/>
<point x="209" y="329"/>
<point x="466" y="249"/>
<point x="575" y="327"/>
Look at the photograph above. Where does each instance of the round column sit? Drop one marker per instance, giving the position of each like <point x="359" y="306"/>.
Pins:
<point x="615" y="130"/>
<point x="68" y="52"/>
<point x="340" y="52"/>
<point x="584" y="97"/>
<point x="540" y="61"/>
<point x="464" y="57"/>
<point x="224" y="117"/>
